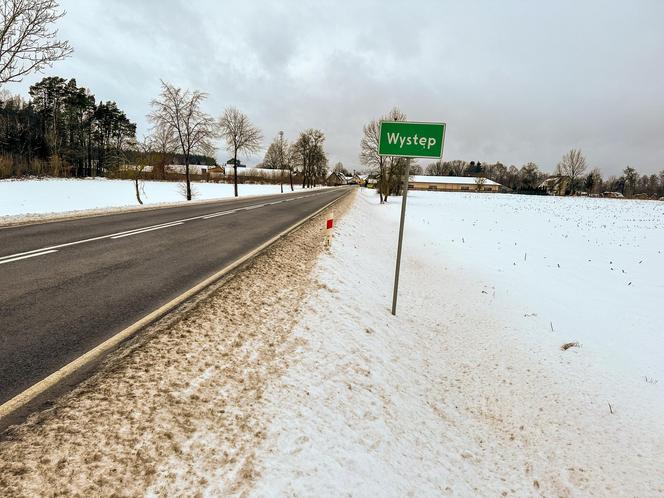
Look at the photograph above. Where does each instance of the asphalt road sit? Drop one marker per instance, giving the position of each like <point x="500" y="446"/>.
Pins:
<point x="66" y="287"/>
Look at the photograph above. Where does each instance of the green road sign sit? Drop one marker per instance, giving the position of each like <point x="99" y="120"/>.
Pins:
<point x="406" y="139"/>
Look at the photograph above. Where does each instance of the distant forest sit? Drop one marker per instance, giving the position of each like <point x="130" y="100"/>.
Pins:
<point x="568" y="177"/>
<point x="62" y="130"/>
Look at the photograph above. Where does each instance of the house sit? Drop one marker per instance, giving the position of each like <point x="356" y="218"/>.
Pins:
<point x="258" y="175"/>
<point x="452" y="184"/>
<point x="194" y="169"/>
<point x="359" y="179"/>
<point x="216" y="172"/>
<point x="335" y="179"/>
<point x="555" y="185"/>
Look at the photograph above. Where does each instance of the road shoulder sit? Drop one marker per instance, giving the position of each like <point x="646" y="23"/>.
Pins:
<point x="179" y="407"/>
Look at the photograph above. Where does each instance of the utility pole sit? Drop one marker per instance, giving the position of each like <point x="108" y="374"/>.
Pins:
<point x="281" y="160"/>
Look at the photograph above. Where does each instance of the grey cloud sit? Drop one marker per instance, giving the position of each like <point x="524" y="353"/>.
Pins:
<point x="515" y="81"/>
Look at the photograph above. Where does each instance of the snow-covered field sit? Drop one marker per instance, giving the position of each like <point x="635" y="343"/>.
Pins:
<point x="467" y="391"/>
<point x="587" y="270"/>
<point x="58" y="195"/>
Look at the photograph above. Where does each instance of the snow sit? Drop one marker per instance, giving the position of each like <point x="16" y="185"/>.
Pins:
<point x="459" y="180"/>
<point x="593" y="268"/>
<point x="466" y="392"/>
<point x="315" y="389"/>
<point x="58" y="195"/>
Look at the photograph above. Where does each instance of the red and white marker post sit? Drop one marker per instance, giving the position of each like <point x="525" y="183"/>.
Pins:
<point x="329" y="225"/>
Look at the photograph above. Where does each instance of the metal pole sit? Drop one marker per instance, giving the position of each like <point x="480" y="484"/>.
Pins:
<point x="403" y="218"/>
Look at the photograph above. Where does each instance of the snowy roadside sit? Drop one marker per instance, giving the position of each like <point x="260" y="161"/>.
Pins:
<point x="467" y="392"/>
<point x="51" y="199"/>
<point x="178" y="410"/>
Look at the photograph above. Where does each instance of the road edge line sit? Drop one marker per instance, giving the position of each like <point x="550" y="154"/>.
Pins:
<point x="25" y="397"/>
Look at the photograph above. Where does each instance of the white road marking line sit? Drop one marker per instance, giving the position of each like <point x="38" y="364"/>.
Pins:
<point x="92" y="239"/>
<point x="59" y="246"/>
<point x="113" y="235"/>
<point x="26" y="256"/>
<point x="138" y="232"/>
<point x="254" y="207"/>
<point x="18" y="254"/>
<point x="214" y="215"/>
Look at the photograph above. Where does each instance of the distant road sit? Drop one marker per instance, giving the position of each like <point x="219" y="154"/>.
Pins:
<point x="67" y="286"/>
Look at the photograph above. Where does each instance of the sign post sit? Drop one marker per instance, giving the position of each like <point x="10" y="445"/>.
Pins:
<point x="408" y="139"/>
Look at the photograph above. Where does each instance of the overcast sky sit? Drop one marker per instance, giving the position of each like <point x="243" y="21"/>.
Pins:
<point x="515" y="81"/>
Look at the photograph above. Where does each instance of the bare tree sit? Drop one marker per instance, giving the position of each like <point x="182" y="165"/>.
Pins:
<point x="369" y="151"/>
<point x="28" y="42"/>
<point x="529" y="176"/>
<point x="396" y="166"/>
<point x="479" y="183"/>
<point x="572" y="165"/>
<point x="163" y="142"/>
<point x="437" y="168"/>
<point x="415" y="169"/>
<point x="277" y="157"/>
<point x="653" y="184"/>
<point x="387" y="168"/>
<point x="145" y="158"/>
<point x="240" y="135"/>
<point x="458" y="167"/>
<point x="180" y="111"/>
<point x="593" y="182"/>
<point x="309" y="154"/>
<point x="631" y="179"/>
<point x="340" y="168"/>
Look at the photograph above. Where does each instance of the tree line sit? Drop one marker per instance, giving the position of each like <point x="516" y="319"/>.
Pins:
<point x="525" y="179"/>
<point x="62" y="131"/>
<point x="179" y="123"/>
<point x="570" y="175"/>
<point x="306" y="156"/>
